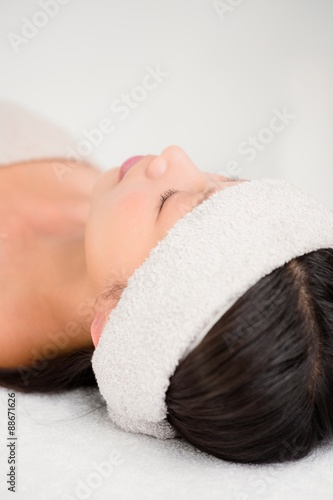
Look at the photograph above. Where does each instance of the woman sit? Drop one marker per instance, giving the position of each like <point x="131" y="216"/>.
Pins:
<point x="67" y="226"/>
<point x="83" y="237"/>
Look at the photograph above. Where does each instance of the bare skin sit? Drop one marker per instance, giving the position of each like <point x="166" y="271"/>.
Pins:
<point x="42" y="240"/>
<point x="64" y="236"/>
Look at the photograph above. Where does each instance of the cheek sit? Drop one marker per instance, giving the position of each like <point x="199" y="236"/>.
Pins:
<point x="118" y="233"/>
<point x="126" y="216"/>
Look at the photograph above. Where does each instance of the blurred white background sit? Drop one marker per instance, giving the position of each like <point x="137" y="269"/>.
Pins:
<point x="244" y="87"/>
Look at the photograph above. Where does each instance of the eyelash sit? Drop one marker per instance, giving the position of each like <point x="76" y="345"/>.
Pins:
<point x="170" y="192"/>
<point x="166" y="195"/>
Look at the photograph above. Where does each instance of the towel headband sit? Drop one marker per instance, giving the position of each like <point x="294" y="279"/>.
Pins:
<point x="208" y="259"/>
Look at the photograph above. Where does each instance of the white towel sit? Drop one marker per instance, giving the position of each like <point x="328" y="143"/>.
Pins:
<point x="204" y="264"/>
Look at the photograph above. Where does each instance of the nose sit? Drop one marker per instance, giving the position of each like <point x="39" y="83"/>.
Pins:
<point x="173" y="160"/>
<point x="156" y="168"/>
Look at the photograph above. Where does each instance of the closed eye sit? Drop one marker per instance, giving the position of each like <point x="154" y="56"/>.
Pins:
<point x="170" y="192"/>
<point x="165" y="196"/>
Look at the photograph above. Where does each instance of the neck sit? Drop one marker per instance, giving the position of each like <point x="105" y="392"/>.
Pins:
<point x="65" y="286"/>
<point x="70" y="295"/>
<point x="56" y="301"/>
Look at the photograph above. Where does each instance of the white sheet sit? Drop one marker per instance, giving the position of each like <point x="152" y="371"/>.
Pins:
<point x="64" y="440"/>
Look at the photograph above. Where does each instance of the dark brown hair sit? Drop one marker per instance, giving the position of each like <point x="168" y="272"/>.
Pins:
<point x="259" y="387"/>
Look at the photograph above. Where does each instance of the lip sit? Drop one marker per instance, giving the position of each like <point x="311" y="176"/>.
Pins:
<point x="127" y="165"/>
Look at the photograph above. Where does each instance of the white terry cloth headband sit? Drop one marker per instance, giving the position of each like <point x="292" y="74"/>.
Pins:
<point x="205" y="263"/>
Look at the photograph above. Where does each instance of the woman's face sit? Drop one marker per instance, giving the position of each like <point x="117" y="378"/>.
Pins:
<point x="125" y="221"/>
